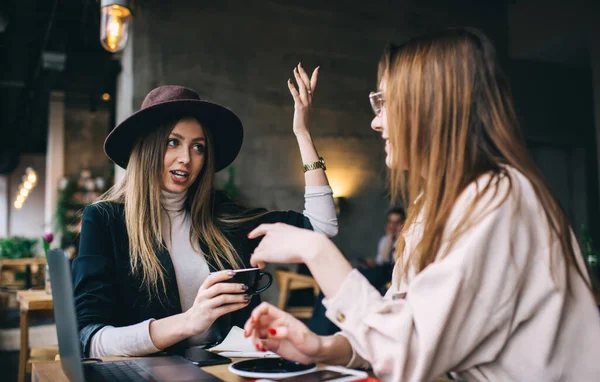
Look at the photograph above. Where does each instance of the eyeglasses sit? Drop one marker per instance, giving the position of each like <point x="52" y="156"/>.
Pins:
<point x="377" y="101"/>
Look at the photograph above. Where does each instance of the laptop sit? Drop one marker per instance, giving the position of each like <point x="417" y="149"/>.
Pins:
<point x="170" y="368"/>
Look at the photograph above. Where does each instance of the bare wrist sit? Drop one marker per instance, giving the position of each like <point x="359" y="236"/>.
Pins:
<point x="334" y="350"/>
<point x="320" y="249"/>
<point x="325" y="347"/>
<point x="187" y="329"/>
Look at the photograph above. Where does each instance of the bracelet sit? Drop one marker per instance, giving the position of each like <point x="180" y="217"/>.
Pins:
<point x="315" y="165"/>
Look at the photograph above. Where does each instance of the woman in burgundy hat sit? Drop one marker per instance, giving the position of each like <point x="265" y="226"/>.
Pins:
<point x="156" y="249"/>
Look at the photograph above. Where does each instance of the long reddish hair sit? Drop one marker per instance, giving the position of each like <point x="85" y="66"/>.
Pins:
<point x="451" y="119"/>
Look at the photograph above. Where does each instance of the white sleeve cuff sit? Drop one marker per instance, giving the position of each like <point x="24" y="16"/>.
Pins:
<point x="128" y="341"/>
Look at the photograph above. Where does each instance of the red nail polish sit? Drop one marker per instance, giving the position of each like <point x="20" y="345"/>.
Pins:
<point x="272" y="331"/>
<point x="258" y="347"/>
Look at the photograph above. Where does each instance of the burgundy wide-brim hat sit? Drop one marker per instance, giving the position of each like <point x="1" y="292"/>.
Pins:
<point x="169" y="103"/>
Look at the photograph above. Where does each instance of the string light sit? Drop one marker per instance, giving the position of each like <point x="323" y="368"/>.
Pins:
<point x="29" y="182"/>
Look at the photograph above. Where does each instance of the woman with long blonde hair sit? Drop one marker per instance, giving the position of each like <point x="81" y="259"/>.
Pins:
<point x="489" y="283"/>
<point x="157" y="249"/>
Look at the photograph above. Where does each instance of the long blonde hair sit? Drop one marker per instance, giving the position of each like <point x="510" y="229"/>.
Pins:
<point x="140" y="192"/>
<point x="451" y="119"/>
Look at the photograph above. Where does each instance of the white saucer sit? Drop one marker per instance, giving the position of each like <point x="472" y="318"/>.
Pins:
<point x="267" y="375"/>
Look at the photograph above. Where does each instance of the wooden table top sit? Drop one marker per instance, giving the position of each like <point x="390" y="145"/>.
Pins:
<point x="34" y="300"/>
<point x="51" y="371"/>
<point x="38" y="260"/>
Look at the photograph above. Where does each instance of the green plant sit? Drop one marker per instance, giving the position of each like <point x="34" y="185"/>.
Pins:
<point x="65" y="196"/>
<point x="17" y="247"/>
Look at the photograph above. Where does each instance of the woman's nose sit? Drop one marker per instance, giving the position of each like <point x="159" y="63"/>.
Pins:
<point x="183" y="156"/>
<point x="376" y="123"/>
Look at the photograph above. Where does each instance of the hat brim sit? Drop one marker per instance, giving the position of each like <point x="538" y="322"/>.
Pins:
<point x="225" y="128"/>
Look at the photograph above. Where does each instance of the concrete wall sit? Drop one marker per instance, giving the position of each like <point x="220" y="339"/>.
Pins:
<point x="241" y="53"/>
<point x="84" y="134"/>
<point x="562" y="32"/>
<point x="554" y="105"/>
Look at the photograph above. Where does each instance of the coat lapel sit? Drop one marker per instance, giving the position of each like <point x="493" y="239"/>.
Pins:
<point x="173" y="302"/>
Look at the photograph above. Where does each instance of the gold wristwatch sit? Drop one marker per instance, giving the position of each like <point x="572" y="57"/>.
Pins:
<point x="315" y="165"/>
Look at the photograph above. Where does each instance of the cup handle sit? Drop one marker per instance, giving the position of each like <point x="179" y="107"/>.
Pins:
<point x="260" y="276"/>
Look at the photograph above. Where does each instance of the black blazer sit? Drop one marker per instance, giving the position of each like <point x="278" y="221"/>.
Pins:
<point x="107" y="293"/>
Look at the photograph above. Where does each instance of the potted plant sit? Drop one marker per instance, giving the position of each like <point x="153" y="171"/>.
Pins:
<point x="17" y="247"/>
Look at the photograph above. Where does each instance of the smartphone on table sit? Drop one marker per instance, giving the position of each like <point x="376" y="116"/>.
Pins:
<point x="201" y="357"/>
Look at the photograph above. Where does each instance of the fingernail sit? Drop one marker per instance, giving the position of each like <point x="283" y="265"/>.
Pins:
<point x="257" y="347"/>
<point x="300" y="64"/>
<point x="244" y="287"/>
<point x="252" y="319"/>
<point x="318" y="67"/>
<point x="272" y="331"/>
<point x="290" y="80"/>
<point x="247" y="297"/>
<point x="248" y="235"/>
<point x="231" y="273"/>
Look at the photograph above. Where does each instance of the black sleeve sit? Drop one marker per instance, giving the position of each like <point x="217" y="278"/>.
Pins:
<point x="288" y="217"/>
<point x="225" y="206"/>
<point x="93" y="275"/>
<point x="239" y="317"/>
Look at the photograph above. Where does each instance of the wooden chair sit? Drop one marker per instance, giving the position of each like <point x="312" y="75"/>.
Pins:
<point x="288" y="281"/>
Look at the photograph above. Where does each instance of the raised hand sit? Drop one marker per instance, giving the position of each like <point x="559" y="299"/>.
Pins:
<point x="302" y="97"/>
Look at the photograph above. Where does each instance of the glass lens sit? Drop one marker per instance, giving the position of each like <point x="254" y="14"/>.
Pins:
<point x="376" y="100"/>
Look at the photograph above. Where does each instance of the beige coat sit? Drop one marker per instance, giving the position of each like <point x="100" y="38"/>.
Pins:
<point x="489" y="310"/>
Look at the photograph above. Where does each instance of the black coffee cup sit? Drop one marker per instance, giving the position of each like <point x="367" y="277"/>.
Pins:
<point x="251" y="277"/>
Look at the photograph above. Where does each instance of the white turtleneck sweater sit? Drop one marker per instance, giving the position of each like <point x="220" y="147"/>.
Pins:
<point x="191" y="270"/>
